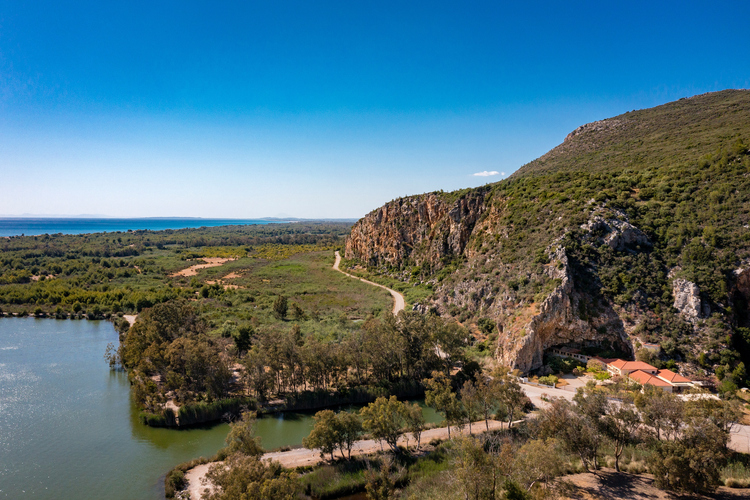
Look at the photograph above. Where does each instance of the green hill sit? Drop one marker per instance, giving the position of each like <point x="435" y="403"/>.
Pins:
<point x="633" y="230"/>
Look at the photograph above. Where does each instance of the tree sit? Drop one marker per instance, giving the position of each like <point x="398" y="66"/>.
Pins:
<point x="415" y="422"/>
<point x="577" y="433"/>
<point x="297" y="312"/>
<point x="349" y="427"/>
<point x="538" y="461"/>
<point x="384" y="419"/>
<point x="324" y="435"/>
<point x="472" y="468"/>
<point x="472" y="402"/>
<point x="280" y="307"/>
<point x="661" y="410"/>
<point x="620" y="425"/>
<point x="510" y="395"/>
<point x="243" y="337"/>
<point x="440" y="396"/>
<point x="256" y="376"/>
<point x="380" y="484"/>
<point x="241" y="438"/>
<point x="487" y="398"/>
<point x="693" y="461"/>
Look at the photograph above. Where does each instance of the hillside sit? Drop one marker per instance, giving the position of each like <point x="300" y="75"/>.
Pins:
<point x="635" y="229"/>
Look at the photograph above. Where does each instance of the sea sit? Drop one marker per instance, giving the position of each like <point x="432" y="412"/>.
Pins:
<point x="18" y="226"/>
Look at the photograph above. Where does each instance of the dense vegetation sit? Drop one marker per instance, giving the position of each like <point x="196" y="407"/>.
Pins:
<point x="170" y="355"/>
<point x="125" y="272"/>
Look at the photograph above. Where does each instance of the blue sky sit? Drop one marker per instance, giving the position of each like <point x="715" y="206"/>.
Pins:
<point x="324" y="109"/>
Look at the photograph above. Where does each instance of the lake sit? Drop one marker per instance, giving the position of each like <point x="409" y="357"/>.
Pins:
<point x="68" y="428"/>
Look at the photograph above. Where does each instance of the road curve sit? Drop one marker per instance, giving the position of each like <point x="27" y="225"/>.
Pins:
<point x="398" y="300"/>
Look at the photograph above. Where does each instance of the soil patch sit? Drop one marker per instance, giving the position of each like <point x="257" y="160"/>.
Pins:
<point x="209" y="262"/>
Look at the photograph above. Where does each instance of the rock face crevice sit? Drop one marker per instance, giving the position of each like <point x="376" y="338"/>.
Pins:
<point x="420" y="229"/>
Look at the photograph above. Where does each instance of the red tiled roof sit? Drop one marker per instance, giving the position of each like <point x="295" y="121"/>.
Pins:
<point x="644" y="378"/>
<point x="672" y="377"/>
<point x="632" y="365"/>
<point x="618" y="363"/>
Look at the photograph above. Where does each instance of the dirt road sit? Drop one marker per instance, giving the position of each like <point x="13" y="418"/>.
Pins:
<point x="398" y="300"/>
<point x="302" y="456"/>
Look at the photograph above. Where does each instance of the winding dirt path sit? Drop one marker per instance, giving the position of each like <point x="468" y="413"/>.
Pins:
<point x="398" y="300"/>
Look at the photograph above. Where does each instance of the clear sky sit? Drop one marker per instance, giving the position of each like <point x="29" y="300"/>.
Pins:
<point x="324" y="109"/>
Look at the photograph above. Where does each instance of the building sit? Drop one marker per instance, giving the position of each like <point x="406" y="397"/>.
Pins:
<point x="624" y="368"/>
<point x="645" y="378"/>
<point x="677" y="381"/>
<point x="569" y="352"/>
<point x="645" y="374"/>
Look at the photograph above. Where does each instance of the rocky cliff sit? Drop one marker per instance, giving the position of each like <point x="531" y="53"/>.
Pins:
<point x="419" y="229"/>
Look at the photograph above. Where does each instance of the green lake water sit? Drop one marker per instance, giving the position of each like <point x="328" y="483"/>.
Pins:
<point x="68" y="429"/>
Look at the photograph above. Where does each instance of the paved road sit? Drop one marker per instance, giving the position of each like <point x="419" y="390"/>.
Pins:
<point x="398" y="300"/>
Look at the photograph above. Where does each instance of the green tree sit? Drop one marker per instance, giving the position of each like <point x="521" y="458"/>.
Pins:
<point x="280" y="307"/>
<point x="384" y="419"/>
<point x="577" y="433"/>
<point x="415" y="422"/>
<point x="692" y="462"/>
<point x="538" y="462"/>
<point x="324" y="435"/>
<point x="349" y="427"/>
<point x="510" y="395"/>
<point x="241" y="437"/>
<point x="472" y="467"/>
<point x="471" y="401"/>
<point x="440" y="396"/>
<point x="620" y="424"/>
<point x="243" y="337"/>
<point x="380" y="483"/>
<point x="660" y="410"/>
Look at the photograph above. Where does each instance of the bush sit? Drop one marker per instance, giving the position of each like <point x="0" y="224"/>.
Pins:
<point x="198" y="413"/>
<point x="548" y="380"/>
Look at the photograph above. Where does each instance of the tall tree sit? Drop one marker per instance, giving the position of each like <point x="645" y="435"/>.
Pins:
<point x="440" y="396"/>
<point x="384" y="419"/>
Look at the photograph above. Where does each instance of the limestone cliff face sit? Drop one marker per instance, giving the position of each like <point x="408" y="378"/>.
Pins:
<point x="687" y="299"/>
<point x="558" y="322"/>
<point x="420" y="229"/>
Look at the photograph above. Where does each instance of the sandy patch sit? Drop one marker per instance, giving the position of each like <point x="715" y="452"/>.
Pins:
<point x="209" y="262"/>
<point x="130" y="318"/>
<point x="197" y="483"/>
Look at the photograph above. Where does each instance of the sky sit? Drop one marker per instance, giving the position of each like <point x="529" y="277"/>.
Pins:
<point x="318" y="109"/>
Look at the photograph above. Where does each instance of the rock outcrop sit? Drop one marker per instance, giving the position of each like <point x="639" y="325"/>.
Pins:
<point x="420" y="229"/>
<point x="618" y="234"/>
<point x="687" y="299"/>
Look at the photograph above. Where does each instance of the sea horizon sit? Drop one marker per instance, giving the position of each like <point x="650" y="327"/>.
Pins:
<point x="37" y="226"/>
